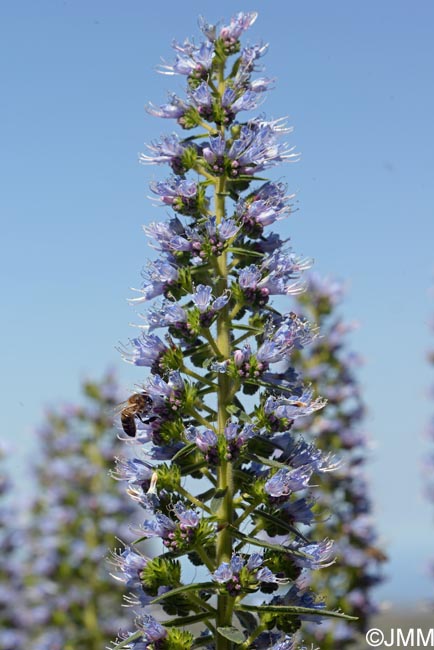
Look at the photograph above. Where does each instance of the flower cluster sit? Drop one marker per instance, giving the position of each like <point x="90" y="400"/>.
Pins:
<point x="344" y="493"/>
<point x="429" y="463"/>
<point x="73" y="522"/>
<point x="13" y="616"/>
<point x="225" y="485"/>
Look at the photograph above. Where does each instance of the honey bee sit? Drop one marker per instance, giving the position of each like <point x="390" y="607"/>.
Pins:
<point x="376" y="554"/>
<point x="136" y="406"/>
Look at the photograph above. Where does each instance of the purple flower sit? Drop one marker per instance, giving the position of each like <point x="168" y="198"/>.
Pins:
<point x="294" y="407"/>
<point x="146" y="350"/>
<point x="190" y="60"/>
<point x="258" y="148"/>
<point x="249" y="277"/>
<point x="130" y="564"/>
<point x="266" y="206"/>
<point x="229" y="34"/>
<point x="203" y="100"/>
<point x="187" y="518"/>
<point x="175" y="109"/>
<point x="286" y="481"/>
<point x="238" y="24"/>
<point x="168" y="314"/>
<point x="169" y="235"/>
<point x="249" y="55"/>
<point x="169" y="149"/>
<point x="318" y="555"/>
<point x="159" y="277"/>
<point x="299" y="511"/>
<point x="205" y="439"/>
<point x="286" y="644"/>
<point x="175" y="191"/>
<point x="161" y="526"/>
<point x="151" y="628"/>
<point x="224" y="573"/>
<point x="133" y="470"/>
<point x="255" y="561"/>
<point x="202" y="297"/>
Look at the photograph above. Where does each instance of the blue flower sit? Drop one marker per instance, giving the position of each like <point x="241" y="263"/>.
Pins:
<point x="169" y="235"/>
<point x="258" y="148"/>
<point x="151" y="628"/>
<point x="318" y="555"/>
<point x="294" y="407"/>
<point x="187" y="518"/>
<point x="229" y="34"/>
<point x="255" y="561"/>
<point x="238" y="24"/>
<point x="190" y="60"/>
<point x="202" y="297"/>
<point x="169" y="149"/>
<point x="205" y="439"/>
<point x="130" y="564"/>
<point x="299" y="511"/>
<point x="249" y="55"/>
<point x="161" y="526"/>
<point x="146" y="350"/>
<point x="286" y="481"/>
<point x="160" y="275"/>
<point x="224" y="573"/>
<point x="133" y="470"/>
<point x="175" y="190"/>
<point x="168" y="314"/>
<point x="175" y="109"/>
<point x="203" y="100"/>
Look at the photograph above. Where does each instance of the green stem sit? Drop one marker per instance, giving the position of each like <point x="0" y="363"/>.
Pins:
<point x="225" y="470"/>
<point x="205" y="559"/>
<point x="195" y="375"/>
<point x="197" y="416"/>
<point x="252" y="637"/>
<point x="193" y="499"/>
<point x="245" y="514"/>
<point x="207" y="334"/>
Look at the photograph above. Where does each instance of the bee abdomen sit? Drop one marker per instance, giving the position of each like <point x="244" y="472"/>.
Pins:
<point x="128" y="424"/>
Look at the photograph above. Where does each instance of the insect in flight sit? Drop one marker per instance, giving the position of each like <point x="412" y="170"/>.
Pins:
<point x="136" y="406"/>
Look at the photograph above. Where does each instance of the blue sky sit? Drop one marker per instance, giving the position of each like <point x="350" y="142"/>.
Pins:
<point x="355" y="80"/>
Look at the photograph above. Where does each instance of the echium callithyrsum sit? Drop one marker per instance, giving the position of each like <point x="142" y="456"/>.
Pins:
<point x="13" y="616"/>
<point x="429" y="462"/>
<point x="74" y="520"/>
<point x="223" y="480"/>
<point x="338" y="429"/>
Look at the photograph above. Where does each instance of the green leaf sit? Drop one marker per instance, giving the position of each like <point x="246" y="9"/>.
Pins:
<point x="184" y="451"/>
<point x="267" y="461"/>
<point x="247" y="620"/>
<point x="186" y="620"/>
<point x="247" y="328"/>
<point x="267" y="384"/>
<point x="293" y="609"/>
<point x="280" y="523"/>
<point x="217" y="500"/>
<point x="189" y="469"/>
<point x="246" y="177"/>
<point x="263" y="544"/>
<point x="126" y="642"/>
<point x="231" y="633"/>
<point x="183" y="589"/>
<point x="244" y="251"/>
<point x="240" y="414"/>
<point x="206" y="496"/>
<point x="201" y="640"/>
